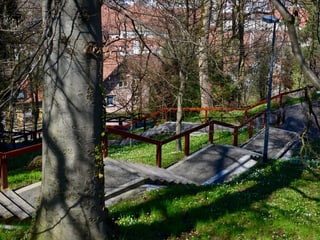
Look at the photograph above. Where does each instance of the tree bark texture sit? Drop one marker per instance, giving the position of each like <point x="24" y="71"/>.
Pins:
<point x="203" y="60"/>
<point x="72" y="193"/>
<point x="241" y="61"/>
<point x="295" y="45"/>
<point x="180" y="96"/>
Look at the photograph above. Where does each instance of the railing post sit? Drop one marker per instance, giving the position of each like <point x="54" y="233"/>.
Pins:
<point x="3" y="172"/>
<point x="105" y="145"/>
<point x="34" y="135"/>
<point x="186" y="144"/>
<point x="235" y="136"/>
<point x="206" y="115"/>
<point x="250" y="129"/>
<point x="166" y="115"/>
<point x="211" y="132"/>
<point x="245" y="117"/>
<point x="306" y="92"/>
<point x="159" y="155"/>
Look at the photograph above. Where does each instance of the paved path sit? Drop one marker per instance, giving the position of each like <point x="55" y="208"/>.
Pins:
<point x="215" y="163"/>
<point x="280" y="141"/>
<point x="296" y="117"/>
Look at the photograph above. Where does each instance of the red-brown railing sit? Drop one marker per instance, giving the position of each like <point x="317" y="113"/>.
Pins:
<point x="4" y="156"/>
<point x="159" y="143"/>
<point x="186" y="135"/>
<point x="164" y="113"/>
<point x="246" y="122"/>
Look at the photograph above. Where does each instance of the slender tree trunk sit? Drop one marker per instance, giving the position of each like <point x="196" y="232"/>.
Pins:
<point x="221" y="38"/>
<point x="180" y="97"/>
<point x="241" y="61"/>
<point x="72" y="192"/>
<point x="295" y="45"/>
<point x="12" y="112"/>
<point x="34" y="91"/>
<point x="205" y="84"/>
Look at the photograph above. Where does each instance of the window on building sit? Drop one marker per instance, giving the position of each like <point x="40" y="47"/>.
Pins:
<point x="122" y="84"/>
<point x="21" y="95"/>
<point x="110" y="100"/>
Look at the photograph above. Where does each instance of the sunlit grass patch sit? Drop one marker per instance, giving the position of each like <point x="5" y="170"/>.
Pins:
<point x="146" y="153"/>
<point x="21" y="178"/>
<point x="15" y="230"/>
<point x="274" y="201"/>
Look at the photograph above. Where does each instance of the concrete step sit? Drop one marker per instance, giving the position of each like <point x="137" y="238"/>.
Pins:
<point x="19" y="201"/>
<point x="4" y="212"/>
<point x="280" y="142"/>
<point x="12" y="205"/>
<point x="149" y="173"/>
<point x="211" y="161"/>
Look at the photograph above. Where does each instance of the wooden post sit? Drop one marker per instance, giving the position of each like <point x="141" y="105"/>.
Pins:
<point x="159" y="155"/>
<point x="250" y="129"/>
<point x="34" y="135"/>
<point x="166" y="115"/>
<point x="245" y="117"/>
<point x="306" y="92"/>
<point x="206" y="115"/>
<point x="235" y="136"/>
<point x="105" y="145"/>
<point x="3" y="172"/>
<point x="211" y="132"/>
<point x="186" y="144"/>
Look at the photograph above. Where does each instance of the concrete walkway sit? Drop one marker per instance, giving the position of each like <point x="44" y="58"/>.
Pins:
<point x="280" y="141"/>
<point x="212" y="164"/>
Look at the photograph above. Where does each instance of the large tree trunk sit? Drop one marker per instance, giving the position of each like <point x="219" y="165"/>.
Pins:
<point x="295" y="45"/>
<point x="205" y="84"/>
<point x="72" y="192"/>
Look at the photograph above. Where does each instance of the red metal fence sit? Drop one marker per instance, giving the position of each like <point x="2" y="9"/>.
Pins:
<point x="247" y="122"/>
<point x="186" y="135"/>
<point x="165" y="112"/>
<point x="4" y="156"/>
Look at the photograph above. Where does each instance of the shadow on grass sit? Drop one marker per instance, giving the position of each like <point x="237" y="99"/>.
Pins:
<point x="174" y="222"/>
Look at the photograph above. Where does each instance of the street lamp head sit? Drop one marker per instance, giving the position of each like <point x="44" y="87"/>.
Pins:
<point x="270" y="19"/>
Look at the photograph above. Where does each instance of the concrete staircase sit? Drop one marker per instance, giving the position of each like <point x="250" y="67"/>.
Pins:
<point x="212" y="164"/>
<point x="13" y="205"/>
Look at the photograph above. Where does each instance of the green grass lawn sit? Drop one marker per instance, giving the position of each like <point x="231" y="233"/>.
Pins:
<point x="146" y="153"/>
<point x="277" y="201"/>
<point x="20" y="177"/>
<point x="139" y="152"/>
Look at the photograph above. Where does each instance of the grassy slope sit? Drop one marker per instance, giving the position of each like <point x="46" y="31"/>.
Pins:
<point x="279" y="201"/>
<point x="146" y="153"/>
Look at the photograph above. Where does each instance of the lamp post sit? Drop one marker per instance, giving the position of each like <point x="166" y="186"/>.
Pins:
<point x="274" y="20"/>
